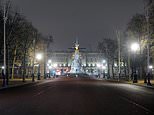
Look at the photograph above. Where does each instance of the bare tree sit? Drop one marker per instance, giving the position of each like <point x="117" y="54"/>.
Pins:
<point x="109" y="48"/>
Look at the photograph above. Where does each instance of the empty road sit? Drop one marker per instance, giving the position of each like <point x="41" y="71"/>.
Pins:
<point x="72" y="96"/>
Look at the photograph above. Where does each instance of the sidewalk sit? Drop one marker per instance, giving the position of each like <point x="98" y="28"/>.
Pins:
<point x="15" y="82"/>
<point x="141" y="83"/>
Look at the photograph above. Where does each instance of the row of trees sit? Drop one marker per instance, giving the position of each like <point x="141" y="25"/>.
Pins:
<point x="139" y="29"/>
<point x="109" y="48"/>
<point x="22" y="38"/>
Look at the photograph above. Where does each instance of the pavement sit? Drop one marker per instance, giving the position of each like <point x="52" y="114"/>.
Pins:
<point x="139" y="83"/>
<point x="17" y="82"/>
<point x="75" y="96"/>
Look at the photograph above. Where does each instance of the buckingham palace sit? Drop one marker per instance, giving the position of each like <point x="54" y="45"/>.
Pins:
<point x="59" y="62"/>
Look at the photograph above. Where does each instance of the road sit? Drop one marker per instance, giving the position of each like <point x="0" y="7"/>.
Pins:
<point x="68" y="96"/>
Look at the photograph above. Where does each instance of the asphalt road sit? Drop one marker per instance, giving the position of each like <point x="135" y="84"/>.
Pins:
<point x="65" y="96"/>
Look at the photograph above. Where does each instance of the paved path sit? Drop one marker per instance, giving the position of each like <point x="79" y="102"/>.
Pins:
<point x="65" y="96"/>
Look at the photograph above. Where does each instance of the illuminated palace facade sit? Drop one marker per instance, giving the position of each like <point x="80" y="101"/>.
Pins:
<point x="59" y="62"/>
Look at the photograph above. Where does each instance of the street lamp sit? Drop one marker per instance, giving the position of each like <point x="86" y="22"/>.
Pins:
<point x="55" y="65"/>
<point x="49" y="67"/>
<point x="49" y="61"/>
<point x="4" y="26"/>
<point x="134" y="48"/>
<point x="150" y="67"/>
<point x="102" y="68"/>
<point x="98" y="66"/>
<point x="38" y="57"/>
<point x="104" y="61"/>
<point x="3" y="67"/>
<point x="148" y="77"/>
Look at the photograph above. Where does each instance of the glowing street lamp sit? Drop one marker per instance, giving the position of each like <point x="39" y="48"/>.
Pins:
<point x="148" y="77"/>
<point x="134" y="48"/>
<point x="49" y="61"/>
<point x="38" y="57"/>
<point x="103" y="67"/>
<point x="3" y="67"/>
<point x="115" y="64"/>
<point x="98" y="65"/>
<point x="104" y="61"/>
<point x="150" y="67"/>
<point x="4" y="70"/>
<point x="55" y="65"/>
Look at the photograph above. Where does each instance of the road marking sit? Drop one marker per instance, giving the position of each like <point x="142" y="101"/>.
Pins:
<point x="136" y="104"/>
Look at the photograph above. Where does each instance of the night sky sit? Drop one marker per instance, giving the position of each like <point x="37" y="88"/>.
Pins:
<point x="87" y="20"/>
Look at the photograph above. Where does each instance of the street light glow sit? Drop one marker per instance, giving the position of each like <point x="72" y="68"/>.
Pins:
<point x="98" y="65"/>
<point x="103" y="67"/>
<point x="135" y="47"/>
<point x="3" y="67"/>
<point x="49" y="61"/>
<point x="39" y="56"/>
<point x="104" y="61"/>
<point x="55" y="65"/>
<point x="150" y="67"/>
<point x="115" y="65"/>
<point x="48" y="64"/>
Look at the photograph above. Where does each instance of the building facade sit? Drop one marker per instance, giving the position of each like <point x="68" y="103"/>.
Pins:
<point x="59" y="62"/>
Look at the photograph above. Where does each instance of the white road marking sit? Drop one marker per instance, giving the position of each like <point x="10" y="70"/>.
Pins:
<point x="138" y="105"/>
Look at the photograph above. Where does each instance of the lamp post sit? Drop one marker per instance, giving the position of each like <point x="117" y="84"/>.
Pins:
<point x="38" y="57"/>
<point x="4" y="70"/>
<point x="134" y="48"/>
<point x="99" y="72"/>
<point x="103" y="68"/>
<point x="149" y="75"/>
<point x="49" y="67"/>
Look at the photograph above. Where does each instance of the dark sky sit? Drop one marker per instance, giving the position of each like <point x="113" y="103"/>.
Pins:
<point x="87" y="20"/>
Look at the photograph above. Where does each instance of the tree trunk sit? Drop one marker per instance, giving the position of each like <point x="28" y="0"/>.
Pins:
<point x="108" y="65"/>
<point x="113" y="69"/>
<point x="14" y="59"/>
<point x="125" y="71"/>
<point x="140" y="59"/>
<point x="129" y="67"/>
<point x="24" y="66"/>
